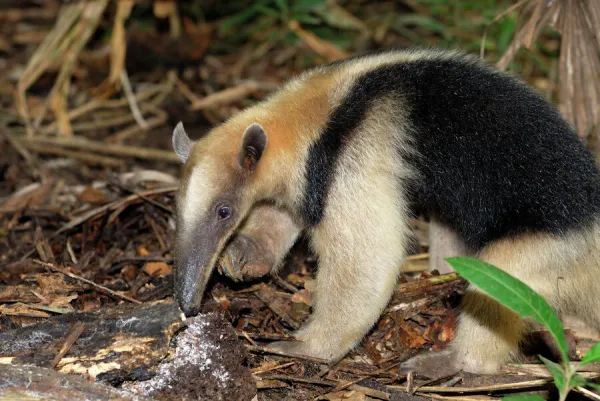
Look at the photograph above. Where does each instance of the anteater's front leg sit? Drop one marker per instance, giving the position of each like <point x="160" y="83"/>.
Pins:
<point x="361" y="244"/>
<point x="261" y="244"/>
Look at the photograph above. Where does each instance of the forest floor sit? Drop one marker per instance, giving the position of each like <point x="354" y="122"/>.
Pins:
<point x="89" y="227"/>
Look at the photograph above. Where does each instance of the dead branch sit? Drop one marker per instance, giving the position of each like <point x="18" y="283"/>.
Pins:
<point x="101" y="147"/>
<point x="19" y="382"/>
<point x="86" y="157"/>
<point x="229" y="95"/>
<point x="84" y="280"/>
<point x="69" y="341"/>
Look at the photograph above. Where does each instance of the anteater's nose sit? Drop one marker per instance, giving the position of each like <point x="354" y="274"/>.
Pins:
<point x="189" y="310"/>
<point x="189" y="297"/>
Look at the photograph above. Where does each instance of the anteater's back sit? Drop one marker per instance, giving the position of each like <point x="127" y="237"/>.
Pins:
<point x="494" y="157"/>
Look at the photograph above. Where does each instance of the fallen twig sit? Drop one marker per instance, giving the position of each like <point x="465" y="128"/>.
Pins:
<point x="477" y="397"/>
<point x="382" y="395"/>
<point x="101" y="102"/>
<point x="276" y="367"/>
<point x="265" y="350"/>
<point x="322" y="47"/>
<point x="105" y="148"/>
<point x="153" y="122"/>
<point x="481" y="389"/>
<point x="84" y="280"/>
<point x="69" y="341"/>
<point x="86" y="157"/>
<point x="587" y="393"/>
<point x="144" y="197"/>
<point x="130" y="95"/>
<point x="230" y="95"/>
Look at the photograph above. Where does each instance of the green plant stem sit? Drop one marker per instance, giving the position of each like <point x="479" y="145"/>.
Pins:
<point x="569" y="372"/>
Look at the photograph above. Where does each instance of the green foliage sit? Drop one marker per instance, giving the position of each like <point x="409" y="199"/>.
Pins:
<point x="524" y="397"/>
<point x="577" y="381"/>
<point x="304" y="6"/>
<point x="517" y="296"/>
<point x="280" y="12"/>
<point x="593" y="355"/>
<point x="595" y="386"/>
<point x="557" y="372"/>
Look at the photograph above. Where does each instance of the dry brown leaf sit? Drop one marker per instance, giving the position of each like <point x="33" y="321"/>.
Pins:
<point x="93" y="195"/>
<point x="441" y="333"/>
<point x="62" y="301"/>
<point x="21" y="310"/>
<point x="42" y="246"/>
<point x="17" y="293"/>
<point x="35" y="197"/>
<point x="129" y="272"/>
<point x="162" y="8"/>
<point x="265" y="366"/>
<point x="318" y="45"/>
<point x="142" y="251"/>
<point x="51" y="283"/>
<point x="90" y="302"/>
<point x="408" y="336"/>
<point x="201" y="36"/>
<point x="156" y="269"/>
<point x="303" y="296"/>
<point x="279" y="303"/>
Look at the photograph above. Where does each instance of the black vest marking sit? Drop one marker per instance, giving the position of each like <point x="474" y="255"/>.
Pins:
<point x="325" y="151"/>
<point x="494" y="157"/>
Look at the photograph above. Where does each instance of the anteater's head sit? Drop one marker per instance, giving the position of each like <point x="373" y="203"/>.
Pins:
<point x="216" y="194"/>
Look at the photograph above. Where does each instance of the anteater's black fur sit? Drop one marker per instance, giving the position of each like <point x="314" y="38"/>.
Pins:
<point x="493" y="157"/>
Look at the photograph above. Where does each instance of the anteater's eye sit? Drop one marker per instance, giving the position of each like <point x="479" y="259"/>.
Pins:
<point x="224" y="212"/>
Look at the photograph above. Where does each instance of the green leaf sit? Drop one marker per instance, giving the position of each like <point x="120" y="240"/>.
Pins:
<point x="307" y="19"/>
<point x="523" y="397"/>
<point x="595" y="386"/>
<point x="267" y="11"/>
<point x="307" y="5"/>
<point x="576" y="381"/>
<point x="238" y="19"/>
<point x="557" y="373"/>
<point x="282" y="5"/>
<point x="424" y="21"/>
<point x="593" y="355"/>
<point x="506" y="33"/>
<point x="512" y="293"/>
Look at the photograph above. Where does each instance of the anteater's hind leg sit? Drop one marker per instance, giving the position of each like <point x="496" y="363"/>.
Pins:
<point x="488" y="334"/>
<point x="261" y="244"/>
<point x="443" y="243"/>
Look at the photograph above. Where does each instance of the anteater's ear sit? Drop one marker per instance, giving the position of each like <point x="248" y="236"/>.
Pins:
<point x="181" y="142"/>
<point x="254" y="143"/>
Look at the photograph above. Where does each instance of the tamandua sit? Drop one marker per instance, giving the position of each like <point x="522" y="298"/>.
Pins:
<point x="349" y="149"/>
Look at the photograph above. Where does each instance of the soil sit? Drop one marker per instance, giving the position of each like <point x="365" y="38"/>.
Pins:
<point x="207" y="365"/>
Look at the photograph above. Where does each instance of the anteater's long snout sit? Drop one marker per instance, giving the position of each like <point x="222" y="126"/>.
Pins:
<point x="189" y="291"/>
<point x="192" y="273"/>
